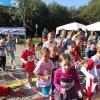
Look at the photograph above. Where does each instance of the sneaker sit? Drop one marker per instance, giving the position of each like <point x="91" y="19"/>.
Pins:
<point x="13" y="66"/>
<point x="44" y="95"/>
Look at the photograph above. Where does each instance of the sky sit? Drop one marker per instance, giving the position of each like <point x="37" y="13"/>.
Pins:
<point x="69" y="3"/>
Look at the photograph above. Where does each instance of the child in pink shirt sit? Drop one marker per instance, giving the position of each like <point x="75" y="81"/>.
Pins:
<point x="66" y="80"/>
<point x="43" y="71"/>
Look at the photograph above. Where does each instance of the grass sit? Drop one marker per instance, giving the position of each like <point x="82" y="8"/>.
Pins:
<point x="36" y="40"/>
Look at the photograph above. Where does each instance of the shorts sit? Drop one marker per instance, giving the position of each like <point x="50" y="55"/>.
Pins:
<point x="29" y="67"/>
<point x="11" y="55"/>
<point x="45" y="90"/>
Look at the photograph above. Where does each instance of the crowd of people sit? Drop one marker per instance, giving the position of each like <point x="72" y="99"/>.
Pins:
<point x="57" y="69"/>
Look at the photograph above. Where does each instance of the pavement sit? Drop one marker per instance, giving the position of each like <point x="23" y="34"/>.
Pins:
<point x="11" y="76"/>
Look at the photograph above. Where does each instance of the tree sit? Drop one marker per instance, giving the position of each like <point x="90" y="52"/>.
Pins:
<point x="91" y="13"/>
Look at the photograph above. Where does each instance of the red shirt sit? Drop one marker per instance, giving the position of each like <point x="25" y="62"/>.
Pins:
<point x="78" y="50"/>
<point x="4" y="91"/>
<point x="29" y="56"/>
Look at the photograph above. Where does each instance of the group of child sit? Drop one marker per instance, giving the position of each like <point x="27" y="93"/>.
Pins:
<point x="56" y="72"/>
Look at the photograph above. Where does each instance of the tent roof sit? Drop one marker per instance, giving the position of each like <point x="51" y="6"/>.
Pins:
<point x="94" y="27"/>
<point x="70" y="26"/>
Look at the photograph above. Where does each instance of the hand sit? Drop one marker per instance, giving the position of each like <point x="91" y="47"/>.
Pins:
<point x="95" y="80"/>
<point x="80" y="94"/>
<point x="63" y="91"/>
<point x="7" y="54"/>
<point x="47" y="77"/>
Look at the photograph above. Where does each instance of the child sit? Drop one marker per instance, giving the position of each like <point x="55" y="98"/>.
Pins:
<point x="40" y="44"/>
<point x="2" y="54"/>
<point x="66" y="80"/>
<point x="50" y="42"/>
<point x="92" y="72"/>
<point x="54" y="58"/>
<point x="78" y="46"/>
<point x="10" y="44"/>
<point x="90" y="51"/>
<point x="67" y="39"/>
<point x="71" y="51"/>
<point x="60" y="48"/>
<point x="43" y="71"/>
<point x="28" y="57"/>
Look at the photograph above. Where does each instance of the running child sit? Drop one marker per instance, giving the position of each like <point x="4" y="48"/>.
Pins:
<point x="10" y="44"/>
<point x="2" y="54"/>
<point x="28" y="59"/>
<point x="43" y="71"/>
<point x="66" y="80"/>
<point x="92" y="72"/>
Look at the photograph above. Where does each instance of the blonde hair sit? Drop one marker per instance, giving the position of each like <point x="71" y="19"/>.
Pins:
<point x="28" y="40"/>
<point x="65" y="57"/>
<point x="53" y="47"/>
<point x="2" y="41"/>
<point x="45" y="50"/>
<point x="98" y="45"/>
<point x="51" y="33"/>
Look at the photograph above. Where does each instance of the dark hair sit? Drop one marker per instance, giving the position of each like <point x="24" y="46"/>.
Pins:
<point x="80" y="29"/>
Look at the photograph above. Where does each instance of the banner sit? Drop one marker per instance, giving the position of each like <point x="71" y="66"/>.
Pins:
<point x="12" y="30"/>
<point x="10" y="3"/>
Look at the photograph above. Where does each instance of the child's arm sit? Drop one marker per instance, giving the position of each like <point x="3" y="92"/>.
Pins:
<point x="87" y="67"/>
<point x="23" y="57"/>
<point x="43" y="77"/>
<point x="56" y="80"/>
<point x="23" y="60"/>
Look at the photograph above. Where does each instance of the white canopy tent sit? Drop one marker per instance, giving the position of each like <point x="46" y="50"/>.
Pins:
<point x="70" y="26"/>
<point x="93" y="27"/>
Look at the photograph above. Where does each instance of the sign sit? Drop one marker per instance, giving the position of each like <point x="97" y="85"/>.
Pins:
<point x="10" y="3"/>
<point x="12" y="30"/>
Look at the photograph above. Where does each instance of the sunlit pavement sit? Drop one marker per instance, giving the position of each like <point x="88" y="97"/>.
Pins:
<point x="14" y="75"/>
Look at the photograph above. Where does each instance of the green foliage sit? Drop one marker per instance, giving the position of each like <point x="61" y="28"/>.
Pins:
<point x="32" y="12"/>
<point x="91" y="12"/>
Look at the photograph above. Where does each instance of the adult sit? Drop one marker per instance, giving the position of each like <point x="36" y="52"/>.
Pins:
<point x="80" y="34"/>
<point x="92" y="36"/>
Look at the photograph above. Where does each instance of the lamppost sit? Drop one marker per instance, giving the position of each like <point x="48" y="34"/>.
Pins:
<point x="36" y="27"/>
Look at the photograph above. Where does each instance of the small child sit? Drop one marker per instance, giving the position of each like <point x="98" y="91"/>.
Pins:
<point x="10" y="44"/>
<point x="92" y="71"/>
<point x="40" y="44"/>
<point x="90" y="51"/>
<point x="71" y="51"/>
<point x="2" y="54"/>
<point x="78" y="46"/>
<point x="66" y="80"/>
<point x="43" y="71"/>
<point x="50" y="42"/>
<point x="60" y="48"/>
<point x="28" y="58"/>
<point x="54" y="58"/>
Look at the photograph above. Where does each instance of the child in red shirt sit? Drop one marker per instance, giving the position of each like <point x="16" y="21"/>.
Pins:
<point x="28" y="57"/>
